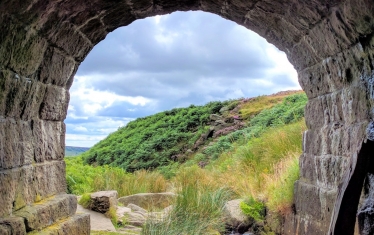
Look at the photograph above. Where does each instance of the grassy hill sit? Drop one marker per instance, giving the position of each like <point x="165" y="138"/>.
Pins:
<point x="71" y="151"/>
<point x="166" y="137"/>
<point x="247" y="148"/>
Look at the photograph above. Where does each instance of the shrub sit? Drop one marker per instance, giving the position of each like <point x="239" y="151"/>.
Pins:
<point x="253" y="208"/>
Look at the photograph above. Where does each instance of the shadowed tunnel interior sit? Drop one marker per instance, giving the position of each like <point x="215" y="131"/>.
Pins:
<point x="346" y="219"/>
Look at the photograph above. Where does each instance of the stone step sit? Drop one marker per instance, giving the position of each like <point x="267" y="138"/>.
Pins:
<point x="47" y="212"/>
<point x="78" y="224"/>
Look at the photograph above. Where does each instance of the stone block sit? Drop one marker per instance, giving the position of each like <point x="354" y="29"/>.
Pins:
<point x="47" y="212"/>
<point x="25" y="142"/>
<point x="56" y="68"/>
<point x="24" y="185"/>
<point x="120" y="16"/>
<point x="94" y="30"/>
<point x="302" y="56"/>
<point x="335" y="139"/>
<point x="15" y="144"/>
<point x="22" y="49"/>
<point x="347" y="106"/>
<point x="49" y="140"/>
<point x="102" y="201"/>
<point x="314" y="202"/>
<point x="55" y="104"/>
<point x="324" y="171"/>
<point x="78" y="224"/>
<point x="71" y="41"/>
<point x="12" y="226"/>
<point x="20" y="96"/>
<point x="336" y="72"/>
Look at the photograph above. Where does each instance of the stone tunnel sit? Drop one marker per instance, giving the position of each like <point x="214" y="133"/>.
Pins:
<point x="329" y="42"/>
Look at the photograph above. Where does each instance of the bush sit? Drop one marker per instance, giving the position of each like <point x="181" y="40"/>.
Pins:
<point x="254" y="209"/>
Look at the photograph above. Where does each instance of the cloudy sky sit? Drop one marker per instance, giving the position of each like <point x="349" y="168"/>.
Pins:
<point x="170" y="61"/>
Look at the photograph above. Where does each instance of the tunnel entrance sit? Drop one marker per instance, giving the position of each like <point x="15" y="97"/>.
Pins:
<point x="42" y="44"/>
<point x="357" y="200"/>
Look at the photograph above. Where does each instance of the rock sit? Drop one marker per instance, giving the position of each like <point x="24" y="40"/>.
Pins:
<point x="168" y="209"/>
<point x="130" y="230"/>
<point x="149" y="200"/>
<point x="224" y="109"/>
<point x="136" y="208"/>
<point x="219" y="122"/>
<point x="234" y="217"/>
<point x="98" y="221"/>
<point x="103" y="200"/>
<point x="215" y="117"/>
<point x="134" y="218"/>
<point x="121" y="210"/>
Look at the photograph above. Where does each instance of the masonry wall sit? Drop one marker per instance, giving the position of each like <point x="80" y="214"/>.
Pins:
<point x="329" y="42"/>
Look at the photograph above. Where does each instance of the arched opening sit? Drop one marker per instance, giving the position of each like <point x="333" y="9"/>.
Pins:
<point x="42" y="44"/>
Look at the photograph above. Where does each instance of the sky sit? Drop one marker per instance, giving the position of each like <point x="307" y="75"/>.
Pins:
<point x="170" y="61"/>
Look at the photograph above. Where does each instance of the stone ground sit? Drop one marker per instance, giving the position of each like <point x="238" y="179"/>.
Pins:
<point x="98" y="221"/>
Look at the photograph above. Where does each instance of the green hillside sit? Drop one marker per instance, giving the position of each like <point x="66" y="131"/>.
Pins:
<point x="152" y="141"/>
<point x="166" y="137"/>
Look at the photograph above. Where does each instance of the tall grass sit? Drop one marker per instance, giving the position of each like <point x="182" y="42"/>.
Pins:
<point x="86" y="179"/>
<point x="197" y="210"/>
<point x="279" y="185"/>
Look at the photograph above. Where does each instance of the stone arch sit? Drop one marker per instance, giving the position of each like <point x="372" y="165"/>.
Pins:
<point x="42" y="43"/>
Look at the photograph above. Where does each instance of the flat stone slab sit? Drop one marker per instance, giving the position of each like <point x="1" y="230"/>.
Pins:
<point x="98" y="221"/>
<point x="78" y="224"/>
<point x="149" y="201"/>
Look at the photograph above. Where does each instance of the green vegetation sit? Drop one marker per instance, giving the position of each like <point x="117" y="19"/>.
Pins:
<point x="85" y="200"/>
<point x="150" y="142"/>
<point x="197" y="210"/>
<point x="258" y="163"/>
<point x="85" y="179"/>
<point x="253" y="208"/>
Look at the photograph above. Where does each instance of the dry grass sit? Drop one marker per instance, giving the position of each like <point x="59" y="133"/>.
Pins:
<point x="256" y="105"/>
<point x="279" y="184"/>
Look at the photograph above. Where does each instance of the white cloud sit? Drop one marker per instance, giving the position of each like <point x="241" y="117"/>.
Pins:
<point x="93" y="100"/>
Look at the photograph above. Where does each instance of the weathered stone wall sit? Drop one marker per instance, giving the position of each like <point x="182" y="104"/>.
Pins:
<point x="42" y="42"/>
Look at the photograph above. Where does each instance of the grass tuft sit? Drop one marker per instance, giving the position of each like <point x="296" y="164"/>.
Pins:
<point x="85" y="200"/>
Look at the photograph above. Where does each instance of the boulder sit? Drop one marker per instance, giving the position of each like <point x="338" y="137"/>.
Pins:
<point x="224" y="109"/>
<point x="121" y="210"/>
<point x="234" y="217"/>
<point x="149" y="200"/>
<point x="215" y="117"/>
<point x="134" y="218"/>
<point x="103" y="200"/>
<point x="138" y="209"/>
